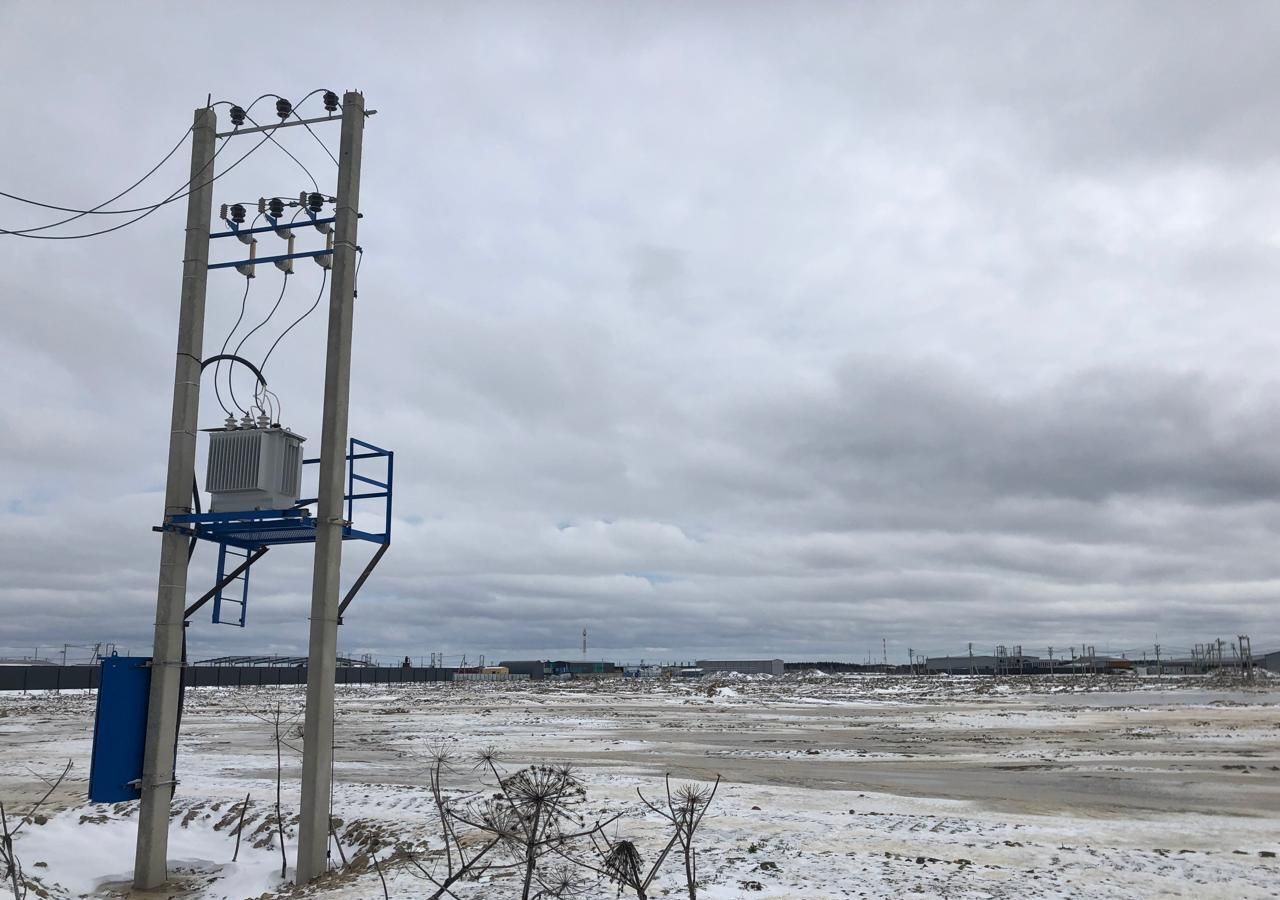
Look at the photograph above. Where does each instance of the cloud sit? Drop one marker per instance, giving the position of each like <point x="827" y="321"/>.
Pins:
<point x="776" y="334"/>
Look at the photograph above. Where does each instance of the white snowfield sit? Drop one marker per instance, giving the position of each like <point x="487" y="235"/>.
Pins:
<point x="833" y="786"/>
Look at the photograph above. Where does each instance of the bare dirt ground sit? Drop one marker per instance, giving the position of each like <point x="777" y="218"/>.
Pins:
<point x="833" y="786"/>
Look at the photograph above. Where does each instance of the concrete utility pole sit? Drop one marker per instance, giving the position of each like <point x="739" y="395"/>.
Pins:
<point x="971" y="657"/>
<point x="317" y="756"/>
<point x="166" y="657"/>
<point x="1159" y="667"/>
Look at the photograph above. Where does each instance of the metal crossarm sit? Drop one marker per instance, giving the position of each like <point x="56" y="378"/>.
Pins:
<point x="270" y="259"/>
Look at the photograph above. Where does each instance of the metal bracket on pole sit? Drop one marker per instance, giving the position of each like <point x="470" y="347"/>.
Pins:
<point x="359" y="583"/>
<point x="294" y="124"/>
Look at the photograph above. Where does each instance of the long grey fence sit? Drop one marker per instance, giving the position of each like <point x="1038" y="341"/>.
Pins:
<point x="53" y="678"/>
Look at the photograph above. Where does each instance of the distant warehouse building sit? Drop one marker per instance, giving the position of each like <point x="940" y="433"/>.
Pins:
<point x="962" y="665"/>
<point x="534" y="668"/>
<point x="742" y="666"/>
<point x="1009" y="664"/>
<point x="561" y="668"/>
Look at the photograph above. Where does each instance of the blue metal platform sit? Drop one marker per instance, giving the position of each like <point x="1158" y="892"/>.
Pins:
<point x="252" y="529"/>
<point x="243" y="536"/>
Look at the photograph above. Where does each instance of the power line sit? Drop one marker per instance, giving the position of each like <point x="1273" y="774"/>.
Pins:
<point x="323" y="280"/>
<point x="217" y="368"/>
<point x="149" y="210"/>
<point x="284" y="285"/>
<point x="97" y="210"/>
<point x="323" y="145"/>
<point x="315" y="185"/>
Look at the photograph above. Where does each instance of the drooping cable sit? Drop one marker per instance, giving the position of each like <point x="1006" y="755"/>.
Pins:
<point x="315" y="185"/>
<point x="284" y="285"/>
<point x="146" y="210"/>
<point x="217" y="369"/>
<point x="323" y="145"/>
<point x="177" y="195"/>
<point x="248" y="109"/>
<point x="319" y="294"/>
<point x="97" y="210"/>
<point x="261" y="393"/>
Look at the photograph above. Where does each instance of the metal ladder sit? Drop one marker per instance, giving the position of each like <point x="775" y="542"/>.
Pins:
<point x="238" y="585"/>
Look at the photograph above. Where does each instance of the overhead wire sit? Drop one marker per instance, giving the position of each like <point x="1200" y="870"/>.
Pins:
<point x="97" y="210"/>
<point x="149" y="210"/>
<point x="283" y="287"/>
<point x="260" y="391"/>
<point x="315" y="185"/>
<point x="176" y="195"/>
<point x="217" y="368"/>
<point x="323" y="145"/>
<point x="319" y="294"/>
<point x="324" y="278"/>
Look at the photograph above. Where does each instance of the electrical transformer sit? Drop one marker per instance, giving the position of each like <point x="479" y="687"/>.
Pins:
<point x="258" y="467"/>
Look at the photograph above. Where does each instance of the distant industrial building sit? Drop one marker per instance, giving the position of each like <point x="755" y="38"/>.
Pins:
<point x="742" y="666"/>
<point x="1024" y="664"/>
<point x="641" y="671"/>
<point x="288" y="662"/>
<point x="534" y="668"/>
<point x="561" y="668"/>
<point x="961" y="665"/>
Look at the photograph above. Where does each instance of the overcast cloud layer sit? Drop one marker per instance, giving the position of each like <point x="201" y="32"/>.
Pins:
<point x="751" y="329"/>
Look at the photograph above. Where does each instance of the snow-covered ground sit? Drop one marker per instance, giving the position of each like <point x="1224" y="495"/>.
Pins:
<point x="833" y="786"/>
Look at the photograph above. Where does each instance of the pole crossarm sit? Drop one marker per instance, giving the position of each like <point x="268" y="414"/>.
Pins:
<point x="263" y="229"/>
<point x="271" y="259"/>
<point x="294" y="124"/>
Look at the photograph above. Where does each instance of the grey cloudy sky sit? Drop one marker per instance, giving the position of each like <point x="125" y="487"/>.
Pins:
<point x="715" y="328"/>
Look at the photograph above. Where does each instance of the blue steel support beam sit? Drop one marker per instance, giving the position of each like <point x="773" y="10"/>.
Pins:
<point x="266" y="228"/>
<point x="270" y="259"/>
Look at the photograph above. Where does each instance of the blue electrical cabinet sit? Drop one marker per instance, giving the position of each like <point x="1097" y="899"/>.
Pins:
<point x="119" y="730"/>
